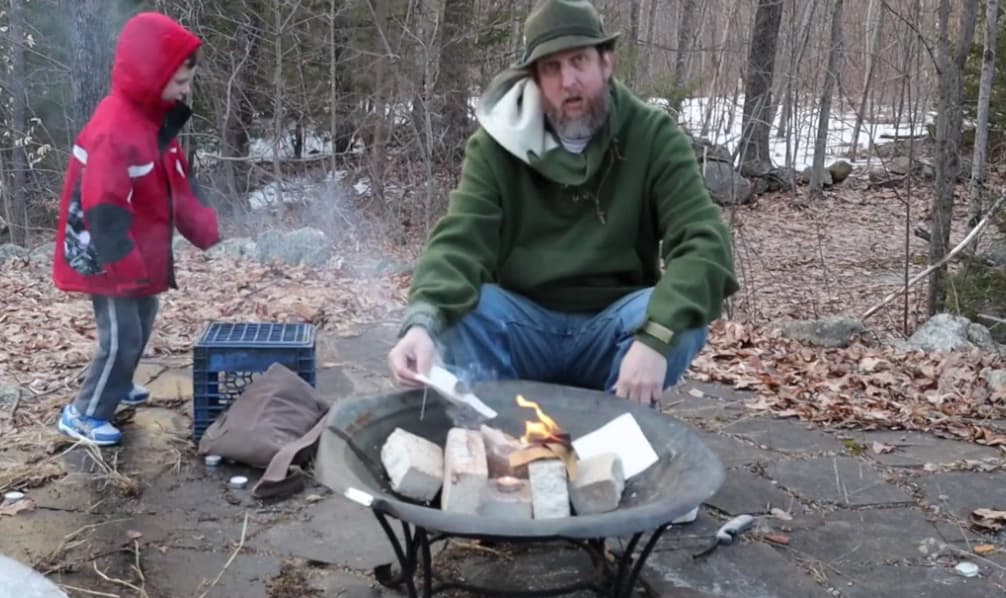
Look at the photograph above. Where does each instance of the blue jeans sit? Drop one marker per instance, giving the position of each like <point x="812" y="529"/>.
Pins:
<point x="509" y="337"/>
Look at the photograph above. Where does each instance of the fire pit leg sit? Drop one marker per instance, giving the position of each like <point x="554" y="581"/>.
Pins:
<point x="629" y="572"/>
<point x="406" y="558"/>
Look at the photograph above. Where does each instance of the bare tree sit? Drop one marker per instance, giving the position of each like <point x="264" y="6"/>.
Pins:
<point x="948" y="139"/>
<point x="831" y="77"/>
<point x="18" y="213"/>
<point x="91" y="57"/>
<point x="682" y="59"/>
<point x="977" y="188"/>
<point x="876" y="28"/>
<point x="755" y="156"/>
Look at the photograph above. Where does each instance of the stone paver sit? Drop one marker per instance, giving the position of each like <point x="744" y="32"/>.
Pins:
<point x="784" y="436"/>
<point x="854" y="532"/>
<point x="837" y="480"/>
<point x="746" y="492"/>
<point x="961" y="492"/>
<point x="333" y="531"/>
<point x="740" y="570"/>
<point x="913" y="449"/>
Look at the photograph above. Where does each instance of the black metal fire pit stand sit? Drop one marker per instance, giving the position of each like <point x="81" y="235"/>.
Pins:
<point x="616" y="580"/>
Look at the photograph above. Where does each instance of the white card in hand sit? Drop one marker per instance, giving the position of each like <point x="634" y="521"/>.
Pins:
<point x="446" y="384"/>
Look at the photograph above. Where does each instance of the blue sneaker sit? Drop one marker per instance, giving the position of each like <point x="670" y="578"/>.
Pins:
<point x="90" y="429"/>
<point x="137" y="396"/>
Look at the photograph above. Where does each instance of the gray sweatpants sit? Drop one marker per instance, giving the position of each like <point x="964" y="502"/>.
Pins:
<point x="124" y="327"/>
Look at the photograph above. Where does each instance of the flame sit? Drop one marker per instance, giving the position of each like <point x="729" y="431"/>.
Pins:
<point x="543" y="429"/>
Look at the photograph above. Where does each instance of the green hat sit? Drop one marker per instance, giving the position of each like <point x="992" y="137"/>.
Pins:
<point x="558" y="25"/>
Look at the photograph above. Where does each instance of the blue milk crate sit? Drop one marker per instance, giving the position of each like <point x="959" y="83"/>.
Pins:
<point x="228" y="355"/>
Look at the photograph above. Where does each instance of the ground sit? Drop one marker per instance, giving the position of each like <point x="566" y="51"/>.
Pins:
<point x="846" y="505"/>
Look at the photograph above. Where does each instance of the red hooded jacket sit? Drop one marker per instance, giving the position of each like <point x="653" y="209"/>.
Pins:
<point x="127" y="187"/>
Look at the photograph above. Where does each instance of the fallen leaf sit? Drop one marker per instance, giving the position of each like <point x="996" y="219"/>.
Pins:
<point x="313" y="498"/>
<point x="881" y="448"/>
<point x="989" y="519"/>
<point x="984" y="549"/>
<point x="698" y="394"/>
<point x="22" y="506"/>
<point x="134" y="535"/>
<point x="777" y="538"/>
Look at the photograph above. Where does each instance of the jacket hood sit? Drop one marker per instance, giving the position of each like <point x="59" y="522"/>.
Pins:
<point x="512" y="112"/>
<point x="149" y="51"/>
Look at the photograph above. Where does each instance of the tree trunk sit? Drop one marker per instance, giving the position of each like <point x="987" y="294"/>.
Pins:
<point x="452" y="82"/>
<point x="755" y="154"/>
<point x="977" y="188"/>
<point x="686" y="33"/>
<point x="830" y="80"/>
<point x="90" y="58"/>
<point x="19" y="160"/>
<point x="878" y="11"/>
<point x="632" y="45"/>
<point x="377" y="156"/>
<point x="948" y="140"/>
<point x="651" y="35"/>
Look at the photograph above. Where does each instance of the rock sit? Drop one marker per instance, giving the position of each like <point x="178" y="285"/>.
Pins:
<point x="996" y="255"/>
<point x="825" y="176"/>
<point x="414" y="465"/>
<point x="780" y="178"/>
<point x="43" y="254"/>
<point x="234" y="248"/>
<point x="899" y="165"/>
<point x="507" y="501"/>
<point x="465" y="471"/>
<point x="840" y="170"/>
<point x="10" y="393"/>
<point x="947" y="332"/>
<point x="549" y="489"/>
<point x="308" y="246"/>
<point x="11" y="251"/>
<point x="996" y="380"/>
<point x="598" y="486"/>
<point x="726" y="185"/>
<point x="881" y="178"/>
<point x="706" y="150"/>
<point x="833" y="333"/>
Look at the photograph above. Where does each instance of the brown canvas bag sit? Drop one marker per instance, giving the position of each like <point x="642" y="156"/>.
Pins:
<point x="274" y="423"/>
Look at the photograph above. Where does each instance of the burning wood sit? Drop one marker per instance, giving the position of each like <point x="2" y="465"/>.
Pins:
<point x="543" y="439"/>
<point x="541" y="475"/>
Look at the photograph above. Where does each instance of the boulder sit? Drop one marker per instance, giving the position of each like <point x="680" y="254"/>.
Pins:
<point x="726" y="186"/>
<point x="831" y="333"/>
<point x="948" y="332"/>
<point x="308" y="246"/>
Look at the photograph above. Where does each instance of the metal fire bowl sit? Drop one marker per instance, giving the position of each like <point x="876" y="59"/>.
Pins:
<point x="349" y="462"/>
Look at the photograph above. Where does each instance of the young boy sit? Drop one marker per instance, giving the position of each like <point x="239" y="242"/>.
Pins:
<point x="126" y="190"/>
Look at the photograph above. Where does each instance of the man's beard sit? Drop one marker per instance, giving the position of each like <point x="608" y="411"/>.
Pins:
<point x="584" y="125"/>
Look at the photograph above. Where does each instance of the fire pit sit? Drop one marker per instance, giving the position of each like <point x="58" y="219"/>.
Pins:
<point x="686" y="474"/>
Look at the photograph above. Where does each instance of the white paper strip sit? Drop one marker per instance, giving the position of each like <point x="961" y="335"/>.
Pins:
<point x="446" y="383"/>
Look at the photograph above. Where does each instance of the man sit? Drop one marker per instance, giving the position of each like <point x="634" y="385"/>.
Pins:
<point x="546" y="265"/>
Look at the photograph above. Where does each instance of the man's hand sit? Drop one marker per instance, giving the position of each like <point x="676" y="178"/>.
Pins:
<point x="414" y="354"/>
<point x="641" y="374"/>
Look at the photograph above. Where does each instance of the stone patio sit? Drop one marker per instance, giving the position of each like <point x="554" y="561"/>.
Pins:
<point x="833" y="518"/>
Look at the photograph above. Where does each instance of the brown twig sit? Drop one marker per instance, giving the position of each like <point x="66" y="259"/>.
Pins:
<point x="921" y="275"/>
<point x="88" y="592"/>
<point x="241" y="543"/>
<point x="120" y="582"/>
